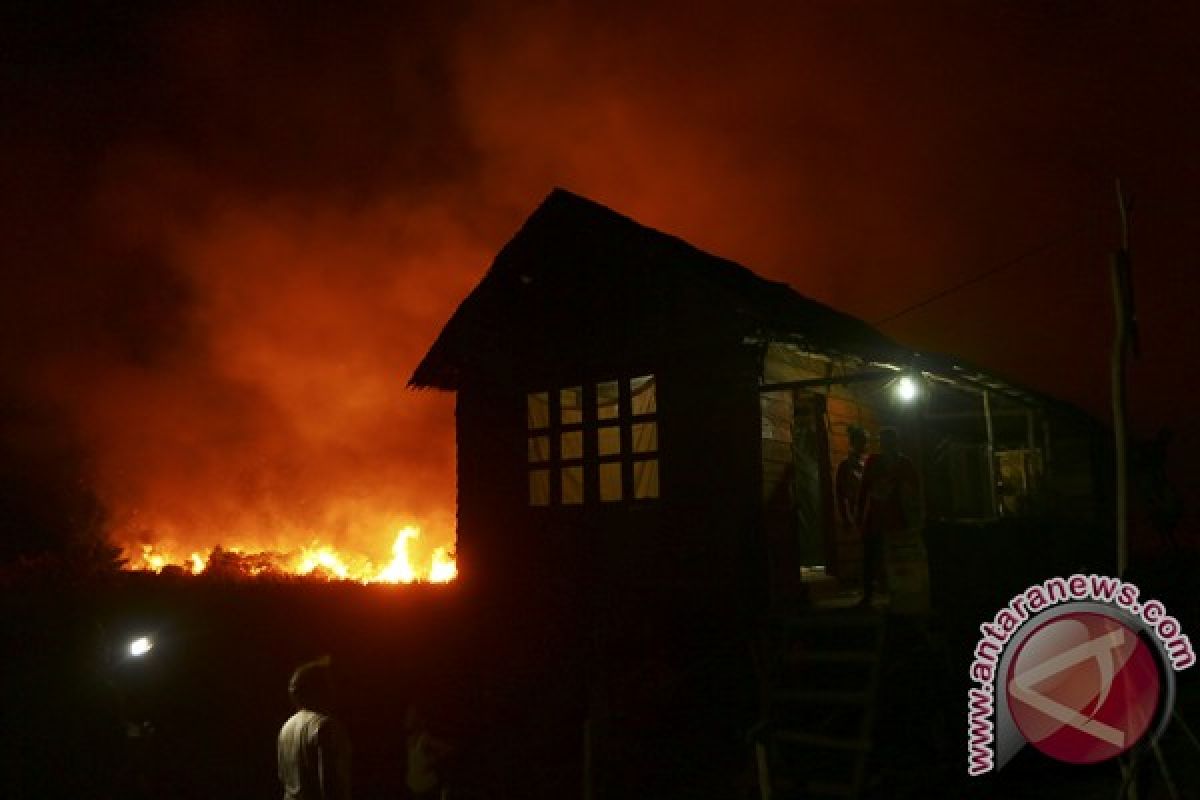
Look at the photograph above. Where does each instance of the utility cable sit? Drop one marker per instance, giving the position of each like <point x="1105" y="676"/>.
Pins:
<point x="1008" y="264"/>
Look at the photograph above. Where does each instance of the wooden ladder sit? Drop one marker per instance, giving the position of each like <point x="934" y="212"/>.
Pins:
<point x="819" y="675"/>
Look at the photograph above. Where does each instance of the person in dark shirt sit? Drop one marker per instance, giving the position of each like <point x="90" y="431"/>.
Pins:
<point x="849" y="477"/>
<point x="426" y="758"/>
<point x="885" y="502"/>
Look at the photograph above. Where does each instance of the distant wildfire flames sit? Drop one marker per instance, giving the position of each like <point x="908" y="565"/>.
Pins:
<point x="315" y="560"/>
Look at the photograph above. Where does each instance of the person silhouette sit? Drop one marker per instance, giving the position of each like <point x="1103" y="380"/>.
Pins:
<point x="313" y="748"/>
<point x="849" y="477"/>
<point x="885" y="500"/>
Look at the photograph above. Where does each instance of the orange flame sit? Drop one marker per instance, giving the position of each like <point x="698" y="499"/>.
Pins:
<point x="317" y="560"/>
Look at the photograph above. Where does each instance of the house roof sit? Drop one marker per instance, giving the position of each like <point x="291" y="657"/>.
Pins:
<point x="574" y="257"/>
<point x="577" y="238"/>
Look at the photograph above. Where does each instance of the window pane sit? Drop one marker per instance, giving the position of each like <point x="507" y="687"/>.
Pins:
<point x="610" y="482"/>
<point x="644" y="395"/>
<point x="571" y="444"/>
<point x="571" y="405"/>
<point x="539" y="487"/>
<point x="606" y="400"/>
<point x="645" y="437"/>
<point x="537" y="406"/>
<point x="645" y="478"/>
<point x="572" y="485"/>
<point x="539" y="449"/>
<point x="608" y="440"/>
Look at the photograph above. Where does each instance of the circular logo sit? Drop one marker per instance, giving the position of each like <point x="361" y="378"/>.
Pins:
<point x="1083" y="688"/>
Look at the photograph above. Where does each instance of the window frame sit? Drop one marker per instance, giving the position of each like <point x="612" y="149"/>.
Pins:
<point x="590" y="458"/>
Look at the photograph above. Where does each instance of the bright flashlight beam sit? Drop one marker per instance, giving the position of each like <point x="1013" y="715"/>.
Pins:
<point x="140" y="646"/>
<point x="906" y="389"/>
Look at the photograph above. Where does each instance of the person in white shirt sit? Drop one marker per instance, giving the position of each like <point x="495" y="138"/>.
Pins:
<point x="313" y="748"/>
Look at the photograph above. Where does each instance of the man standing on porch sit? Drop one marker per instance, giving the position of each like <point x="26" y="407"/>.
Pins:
<point x="849" y="477"/>
<point x="885" y="503"/>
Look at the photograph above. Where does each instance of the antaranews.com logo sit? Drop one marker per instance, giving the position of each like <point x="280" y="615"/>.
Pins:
<point x="1078" y="667"/>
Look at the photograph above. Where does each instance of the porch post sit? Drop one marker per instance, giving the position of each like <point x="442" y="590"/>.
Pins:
<point x="990" y="452"/>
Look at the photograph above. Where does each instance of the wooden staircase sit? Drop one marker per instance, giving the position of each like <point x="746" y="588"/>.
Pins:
<point x="819" y="675"/>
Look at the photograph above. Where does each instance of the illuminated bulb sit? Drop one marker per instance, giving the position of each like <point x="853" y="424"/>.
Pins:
<point x="140" y="646"/>
<point x="906" y="389"/>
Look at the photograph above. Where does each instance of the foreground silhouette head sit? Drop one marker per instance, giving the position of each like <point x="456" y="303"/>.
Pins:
<point x="311" y="686"/>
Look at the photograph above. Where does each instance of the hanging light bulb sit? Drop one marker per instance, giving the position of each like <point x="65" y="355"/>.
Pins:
<point x="906" y="389"/>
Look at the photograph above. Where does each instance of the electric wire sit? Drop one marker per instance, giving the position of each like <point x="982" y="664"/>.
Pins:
<point x="1045" y="246"/>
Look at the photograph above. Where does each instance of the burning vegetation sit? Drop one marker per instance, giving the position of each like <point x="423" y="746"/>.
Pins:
<point x="316" y="560"/>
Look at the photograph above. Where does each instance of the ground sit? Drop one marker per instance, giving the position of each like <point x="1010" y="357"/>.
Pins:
<point x="213" y="693"/>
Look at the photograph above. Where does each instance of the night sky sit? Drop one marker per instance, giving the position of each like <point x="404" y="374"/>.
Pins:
<point x="230" y="233"/>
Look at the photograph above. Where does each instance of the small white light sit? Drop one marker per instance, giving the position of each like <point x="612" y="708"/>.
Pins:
<point x="906" y="389"/>
<point x="140" y="646"/>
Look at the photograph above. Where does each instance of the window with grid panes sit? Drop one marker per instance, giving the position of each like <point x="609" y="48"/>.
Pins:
<point x="596" y="441"/>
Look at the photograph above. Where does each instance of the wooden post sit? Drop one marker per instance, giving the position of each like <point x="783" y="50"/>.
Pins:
<point x="1119" y="419"/>
<point x="588" y="784"/>
<point x="1122" y="306"/>
<point x="924" y="399"/>
<point x="1033" y="471"/>
<point x="765" y="791"/>
<point x="1047" y="453"/>
<point x="990" y="453"/>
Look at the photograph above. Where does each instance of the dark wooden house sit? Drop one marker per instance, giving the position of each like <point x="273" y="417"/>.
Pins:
<point x="636" y="417"/>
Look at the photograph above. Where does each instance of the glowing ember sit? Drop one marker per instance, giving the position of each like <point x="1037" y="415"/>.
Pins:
<point x="316" y="560"/>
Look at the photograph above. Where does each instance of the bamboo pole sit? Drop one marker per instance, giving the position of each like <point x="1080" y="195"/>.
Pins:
<point x="991" y="454"/>
<point x="1119" y="273"/>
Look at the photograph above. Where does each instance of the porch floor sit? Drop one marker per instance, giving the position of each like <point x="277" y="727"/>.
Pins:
<point x="829" y="592"/>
